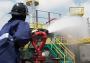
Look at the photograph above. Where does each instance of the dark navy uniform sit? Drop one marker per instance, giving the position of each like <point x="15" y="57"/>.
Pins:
<point x="19" y="34"/>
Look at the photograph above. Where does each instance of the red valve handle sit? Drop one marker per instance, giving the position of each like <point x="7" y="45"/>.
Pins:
<point x="34" y="42"/>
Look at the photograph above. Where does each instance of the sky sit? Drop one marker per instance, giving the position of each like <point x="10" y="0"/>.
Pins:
<point x="59" y="6"/>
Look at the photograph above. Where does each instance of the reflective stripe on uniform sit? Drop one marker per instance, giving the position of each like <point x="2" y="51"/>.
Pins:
<point x="5" y="35"/>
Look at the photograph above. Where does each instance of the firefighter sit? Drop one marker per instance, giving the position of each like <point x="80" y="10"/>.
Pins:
<point x="14" y="34"/>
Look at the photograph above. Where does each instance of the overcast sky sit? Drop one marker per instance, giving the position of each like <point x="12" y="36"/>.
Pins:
<point x="59" y="6"/>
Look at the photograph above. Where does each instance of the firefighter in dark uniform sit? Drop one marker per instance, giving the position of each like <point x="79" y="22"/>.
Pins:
<point x="14" y="34"/>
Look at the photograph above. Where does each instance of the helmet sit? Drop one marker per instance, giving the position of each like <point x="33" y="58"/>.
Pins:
<point x="19" y="9"/>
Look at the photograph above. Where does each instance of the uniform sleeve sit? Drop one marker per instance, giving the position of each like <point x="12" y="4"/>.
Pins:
<point x="23" y="33"/>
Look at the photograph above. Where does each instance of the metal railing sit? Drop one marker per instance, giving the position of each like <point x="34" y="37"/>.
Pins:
<point x="69" y="52"/>
<point x="66" y="50"/>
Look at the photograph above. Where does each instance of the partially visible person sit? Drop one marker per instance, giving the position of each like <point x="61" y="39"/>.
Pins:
<point x="14" y="34"/>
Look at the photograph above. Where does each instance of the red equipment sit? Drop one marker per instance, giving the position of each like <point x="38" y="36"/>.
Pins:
<point x="39" y="36"/>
